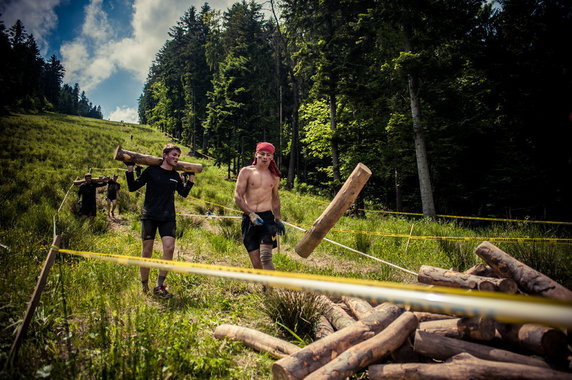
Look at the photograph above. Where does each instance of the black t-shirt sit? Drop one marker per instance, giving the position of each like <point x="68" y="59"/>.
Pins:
<point x="112" y="189"/>
<point x="87" y="193"/>
<point x="161" y="184"/>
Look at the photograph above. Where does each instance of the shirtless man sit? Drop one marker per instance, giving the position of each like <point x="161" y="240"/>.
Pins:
<point x="256" y="194"/>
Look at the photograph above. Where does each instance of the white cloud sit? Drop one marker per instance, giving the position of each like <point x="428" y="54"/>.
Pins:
<point x="39" y="17"/>
<point x="126" y="114"/>
<point x="96" y="25"/>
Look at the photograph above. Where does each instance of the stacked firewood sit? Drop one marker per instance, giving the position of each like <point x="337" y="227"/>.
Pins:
<point x="393" y="342"/>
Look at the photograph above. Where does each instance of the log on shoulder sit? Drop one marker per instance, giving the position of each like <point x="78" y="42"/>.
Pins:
<point x="78" y="182"/>
<point x="368" y="352"/>
<point x="318" y="353"/>
<point x="257" y="340"/>
<point x="443" y="277"/>
<point x="529" y="280"/>
<point x="145" y="159"/>
<point x="461" y="367"/>
<point x="442" y="348"/>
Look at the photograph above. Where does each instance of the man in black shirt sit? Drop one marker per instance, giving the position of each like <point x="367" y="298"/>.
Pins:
<point x="112" y="190"/>
<point x="159" y="209"/>
<point x="86" y="193"/>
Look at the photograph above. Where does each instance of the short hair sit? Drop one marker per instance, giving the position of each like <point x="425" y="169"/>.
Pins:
<point x="169" y="147"/>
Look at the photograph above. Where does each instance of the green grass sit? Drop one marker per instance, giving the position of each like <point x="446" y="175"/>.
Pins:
<point x="93" y="321"/>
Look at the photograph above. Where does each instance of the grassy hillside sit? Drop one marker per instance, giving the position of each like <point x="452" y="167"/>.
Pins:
<point x="94" y="322"/>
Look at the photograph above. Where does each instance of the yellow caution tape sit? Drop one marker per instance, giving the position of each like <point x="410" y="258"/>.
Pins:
<point x="503" y="307"/>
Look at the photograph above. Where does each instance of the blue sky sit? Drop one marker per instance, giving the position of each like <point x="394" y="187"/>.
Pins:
<point x="106" y="46"/>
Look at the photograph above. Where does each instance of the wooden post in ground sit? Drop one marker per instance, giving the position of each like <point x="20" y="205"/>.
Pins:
<point x="464" y="366"/>
<point x="369" y="351"/>
<point x="441" y="348"/>
<point x="443" y="277"/>
<point x="145" y="159"/>
<point x="34" y="300"/>
<point x="529" y="280"/>
<point x="343" y="199"/>
<point x="256" y="339"/>
<point x="320" y="352"/>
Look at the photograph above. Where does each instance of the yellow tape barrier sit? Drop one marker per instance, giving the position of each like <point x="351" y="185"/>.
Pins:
<point x="442" y="215"/>
<point x="502" y="307"/>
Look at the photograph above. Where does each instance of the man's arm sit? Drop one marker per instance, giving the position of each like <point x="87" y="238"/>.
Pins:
<point x="184" y="187"/>
<point x="276" y="201"/>
<point x="240" y="190"/>
<point x="135" y="184"/>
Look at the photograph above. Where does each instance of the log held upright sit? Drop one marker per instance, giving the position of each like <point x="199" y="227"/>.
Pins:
<point x="145" y="159"/>
<point x="343" y="199"/>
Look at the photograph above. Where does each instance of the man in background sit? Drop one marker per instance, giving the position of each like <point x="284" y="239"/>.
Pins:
<point x="86" y="196"/>
<point x="113" y="187"/>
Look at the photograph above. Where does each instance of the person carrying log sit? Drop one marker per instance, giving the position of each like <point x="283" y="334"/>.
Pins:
<point x="86" y="197"/>
<point x="113" y="187"/>
<point x="256" y="194"/>
<point x="159" y="209"/>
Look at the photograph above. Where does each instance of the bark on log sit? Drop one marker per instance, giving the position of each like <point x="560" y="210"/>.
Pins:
<point x="360" y="307"/>
<point x="528" y="279"/>
<point x="343" y="199"/>
<point x="424" y="316"/>
<point x="145" y="159"/>
<point x="256" y="339"/>
<point x="336" y="315"/>
<point x="368" y="352"/>
<point x="539" y="339"/>
<point x="324" y="328"/>
<point x="461" y="367"/>
<point x="482" y="270"/>
<point x="318" y="353"/>
<point x="78" y="182"/>
<point x="442" y="348"/>
<point x="474" y="328"/>
<point x="405" y="353"/>
<point x="443" y="277"/>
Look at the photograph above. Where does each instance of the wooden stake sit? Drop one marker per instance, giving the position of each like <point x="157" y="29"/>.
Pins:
<point x="442" y="348"/>
<point x="145" y="159"/>
<point x="529" y="280"/>
<point x="34" y="300"/>
<point x="257" y="340"/>
<point x="343" y="199"/>
<point x="320" y="352"/>
<point x="461" y="367"/>
<point x="369" y="351"/>
<point x="439" y="276"/>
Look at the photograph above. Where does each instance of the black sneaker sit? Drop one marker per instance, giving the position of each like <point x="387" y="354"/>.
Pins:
<point x="162" y="292"/>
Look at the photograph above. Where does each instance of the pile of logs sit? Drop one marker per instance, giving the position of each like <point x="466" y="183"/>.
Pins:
<point x="393" y="342"/>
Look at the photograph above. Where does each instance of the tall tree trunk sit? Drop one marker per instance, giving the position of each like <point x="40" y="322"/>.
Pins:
<point x="295" y="143"/>
<point x="334" y="142"/>
<point x="420" y="150"/>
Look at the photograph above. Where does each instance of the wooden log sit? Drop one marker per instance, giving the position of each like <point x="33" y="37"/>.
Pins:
<point x="343" y="199"/>
<point x="369" y="351"/>
<point x="528" y="279"/>
<point x="318" y="353"/>
<point x="406" y="353"/>
<point x="423" y="316"/>
<point x="78" y="182"/>
<point x="257" y="340"/>
<point x="461" y="367"/>
<point x="442" y="348"/>
<point x="461" y="328"/>
<point x="335" y="314"/>
<point x="542" y="340"/>
<point x="324" y="328"/>
<point x="360" y="307"/>
<point x="482" y="270"/>
<point x="145" y="159"/>
<point x="40" y="284"/>
<point x="443" y="277"/>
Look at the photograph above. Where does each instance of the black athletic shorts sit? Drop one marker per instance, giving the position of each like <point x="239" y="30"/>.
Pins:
<point x="253" y="236"/>
<point x="88" y="209"/>
<point x="149" y="228"/>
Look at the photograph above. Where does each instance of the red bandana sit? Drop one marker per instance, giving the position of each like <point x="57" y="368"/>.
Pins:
<point x="267" y="147"/>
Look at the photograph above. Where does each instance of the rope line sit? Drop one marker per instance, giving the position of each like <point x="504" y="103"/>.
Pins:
<point x="500" y="306"/>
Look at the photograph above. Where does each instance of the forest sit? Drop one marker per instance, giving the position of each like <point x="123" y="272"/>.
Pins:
<point x="29" y="83"/>
<point x="457" y="107"/>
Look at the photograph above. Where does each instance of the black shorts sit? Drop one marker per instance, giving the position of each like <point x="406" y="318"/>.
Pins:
<point x="88" y="209"/>
<point x="253" y="236"/>
<point x="149" y="228"/>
